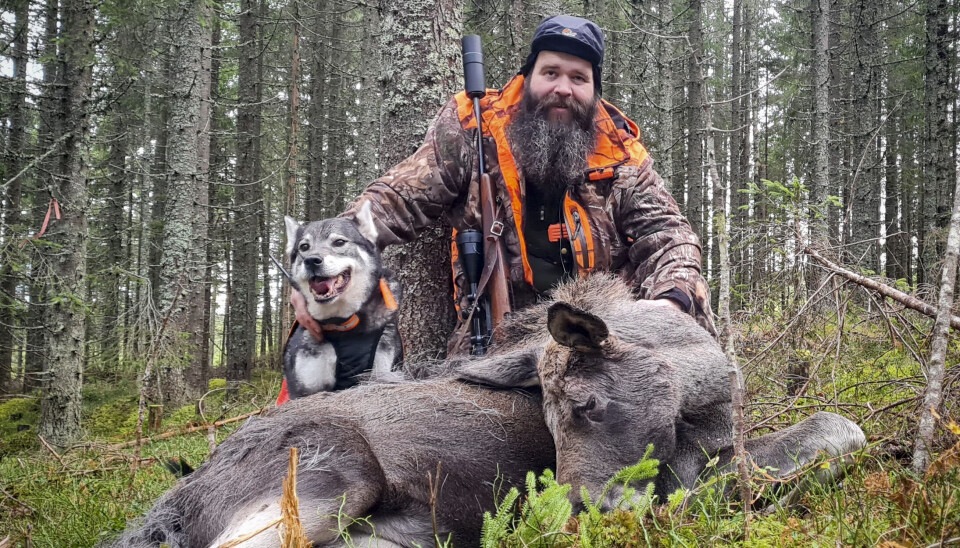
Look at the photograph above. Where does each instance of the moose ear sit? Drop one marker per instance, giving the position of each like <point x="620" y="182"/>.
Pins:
<point x="292" y="228"/>
<point x="576" y="328"/>
<point x="365" y="223"/>
<point x="516" y="369"/>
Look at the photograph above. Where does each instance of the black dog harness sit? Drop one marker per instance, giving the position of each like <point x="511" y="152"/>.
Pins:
<point x="355" y="351"/>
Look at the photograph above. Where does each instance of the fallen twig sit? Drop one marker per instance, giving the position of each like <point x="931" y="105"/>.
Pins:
<point x="18" y="501"/>
<point x="52" y="450"/>
<point x="434" y="489"/>
<point x="240" y="540"/>
<point x="190" y="430"/>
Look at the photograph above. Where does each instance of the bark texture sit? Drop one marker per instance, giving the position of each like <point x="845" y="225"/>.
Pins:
<point x="63" y="378"/>
<point x="420" y="42"/>
<point x="243" y="242"/>
<point x="16" y="141"/>
<point x="184" y="232"/>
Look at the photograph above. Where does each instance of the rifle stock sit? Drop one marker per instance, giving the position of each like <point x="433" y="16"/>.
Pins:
<point x="497" y="287"/>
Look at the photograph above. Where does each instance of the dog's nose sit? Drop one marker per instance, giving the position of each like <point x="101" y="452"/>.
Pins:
<point x="313" y="262"/>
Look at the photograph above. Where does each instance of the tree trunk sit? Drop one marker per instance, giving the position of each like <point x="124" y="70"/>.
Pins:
<point x="289" y="190"/>
<point x="316" y="126"/>
<point x="938" y="166"/>
<point x="214" y="165"/>
<point x="368" y="144"/>
<point x="932" y="394"/>
<point x="895" y="197"/>
<point x="420" y="26"/>
<point x="114" y="255"/>
<point x="16" y="141"/>
<point x="60" y="404"/>
<point x="51" y="124"/>
<point x="863" y="197"/>
<point x="820" y="82"/>
<point x="695" y="187"/>
<point x="243" y="301"/>
<point x="184" y="231"/>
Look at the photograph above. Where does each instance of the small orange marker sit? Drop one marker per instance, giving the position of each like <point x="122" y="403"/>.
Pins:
<point x="387" y="295"/>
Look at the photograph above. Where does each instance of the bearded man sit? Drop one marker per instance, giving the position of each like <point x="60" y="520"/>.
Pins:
<point x="577" y="187"/>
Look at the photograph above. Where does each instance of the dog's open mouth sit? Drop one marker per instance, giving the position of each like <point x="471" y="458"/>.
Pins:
<point x="327" y="288"/>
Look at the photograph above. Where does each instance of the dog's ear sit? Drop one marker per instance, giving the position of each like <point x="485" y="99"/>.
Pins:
<point x="365" y="223"/>
<point x="292" y="228"/>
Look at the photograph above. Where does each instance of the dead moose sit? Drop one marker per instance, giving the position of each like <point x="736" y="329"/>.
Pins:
<point x="616" y="374"/>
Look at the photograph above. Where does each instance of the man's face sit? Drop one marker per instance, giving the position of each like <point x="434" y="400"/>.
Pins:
<point x="553" y="131"/>
<point x="560" y="78"/>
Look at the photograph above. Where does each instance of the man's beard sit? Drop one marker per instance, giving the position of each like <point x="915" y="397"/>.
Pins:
<point x="552" y="155"/>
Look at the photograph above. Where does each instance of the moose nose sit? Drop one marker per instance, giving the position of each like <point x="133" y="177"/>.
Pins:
<point x="313" y="262"/>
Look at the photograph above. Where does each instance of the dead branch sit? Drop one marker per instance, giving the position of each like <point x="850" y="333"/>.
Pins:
<point x="190" y="430"/>
<point x="241" y="539"/>
<point x="884" y="289"/>
<point x="141" y="407"/>
<point x="53" y="451"/>
<point x="18" y="501"/>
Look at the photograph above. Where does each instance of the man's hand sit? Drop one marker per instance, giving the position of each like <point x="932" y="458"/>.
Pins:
<point x="661" y="303"/>
<point x="303" y="316"/>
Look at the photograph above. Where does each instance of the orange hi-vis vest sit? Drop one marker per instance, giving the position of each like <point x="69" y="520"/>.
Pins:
<point x="615" y="147"/>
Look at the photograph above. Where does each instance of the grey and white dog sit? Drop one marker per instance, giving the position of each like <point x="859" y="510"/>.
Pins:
<point x="335" y="265"/>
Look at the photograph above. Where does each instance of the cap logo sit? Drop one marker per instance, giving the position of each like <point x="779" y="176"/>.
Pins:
<point x="568" y="32"/>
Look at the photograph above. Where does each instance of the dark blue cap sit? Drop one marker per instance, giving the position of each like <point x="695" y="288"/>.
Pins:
<point x="568" y="34"/>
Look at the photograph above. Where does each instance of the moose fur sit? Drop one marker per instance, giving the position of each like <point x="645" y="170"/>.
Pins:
<point x="616" y="375"/>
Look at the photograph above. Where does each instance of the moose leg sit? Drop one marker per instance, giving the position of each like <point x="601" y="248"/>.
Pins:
<point x="333" y="491"/>
<point x="785" y="452"/>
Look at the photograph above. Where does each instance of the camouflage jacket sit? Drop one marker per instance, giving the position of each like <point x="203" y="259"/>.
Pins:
<point x="634" y="226"/>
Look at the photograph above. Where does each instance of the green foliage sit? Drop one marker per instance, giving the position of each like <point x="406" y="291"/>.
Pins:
<point x="183" y="416"/>
<point x="541" y="516"/>
<point x="216" y="384"/>
<point x="544" y="518"/>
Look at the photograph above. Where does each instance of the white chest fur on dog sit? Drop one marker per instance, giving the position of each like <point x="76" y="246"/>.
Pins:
<point x="316" y="367"/>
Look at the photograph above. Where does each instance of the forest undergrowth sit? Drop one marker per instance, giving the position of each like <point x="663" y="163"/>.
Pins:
<point x="857" y="366"/>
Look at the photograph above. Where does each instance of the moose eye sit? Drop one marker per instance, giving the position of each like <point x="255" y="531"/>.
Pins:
<point x="589" y="405"/>
<point x="339" y="242"/>
<point x="304" y="246"/>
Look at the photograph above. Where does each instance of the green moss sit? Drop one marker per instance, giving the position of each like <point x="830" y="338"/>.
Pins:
<point x="18" y="420"/>
<point x="113" y="420"/>
<point x="184" y="416"/>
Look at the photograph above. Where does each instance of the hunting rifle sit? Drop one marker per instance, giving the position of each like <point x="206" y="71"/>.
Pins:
<point x="482" y="252"/>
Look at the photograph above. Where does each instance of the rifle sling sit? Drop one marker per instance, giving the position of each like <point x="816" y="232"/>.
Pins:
<point x="489" y="263"/>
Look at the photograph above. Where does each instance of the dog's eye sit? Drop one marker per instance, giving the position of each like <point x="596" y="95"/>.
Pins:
<point x="304" y="246"/>
<point x="339" y="242"/>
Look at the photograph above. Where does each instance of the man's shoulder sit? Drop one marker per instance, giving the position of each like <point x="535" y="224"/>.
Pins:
<point x="620" y="119"/>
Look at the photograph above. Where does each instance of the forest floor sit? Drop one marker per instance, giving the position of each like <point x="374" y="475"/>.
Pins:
<point x="863" y="370"/>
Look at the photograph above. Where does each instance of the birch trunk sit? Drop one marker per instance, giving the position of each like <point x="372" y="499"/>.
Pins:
<point x="933" y="392"/>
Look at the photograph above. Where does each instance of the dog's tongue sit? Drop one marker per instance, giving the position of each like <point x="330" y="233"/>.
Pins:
<point x="321" y="286"/>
